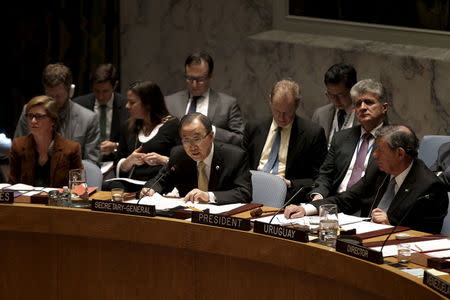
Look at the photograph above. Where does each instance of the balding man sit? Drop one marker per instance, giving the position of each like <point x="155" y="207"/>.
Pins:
<point x="285" y="144"/>
<point x="407" y="193"/>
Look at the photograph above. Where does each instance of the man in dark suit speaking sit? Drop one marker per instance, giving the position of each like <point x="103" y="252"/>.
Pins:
<point x="222" y="109"/>
<point x="202" y="170"/>
<point x="407" y="193"/>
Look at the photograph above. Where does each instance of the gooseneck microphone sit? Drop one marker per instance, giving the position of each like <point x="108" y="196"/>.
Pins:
<point x="292" y="198"/>
<point x="427" y="196"/>
<point x="156" y="181"/>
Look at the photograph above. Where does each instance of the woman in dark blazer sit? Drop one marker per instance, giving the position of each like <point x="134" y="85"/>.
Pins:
<point x="44" y="157"/>
<point x="148" y="137"/>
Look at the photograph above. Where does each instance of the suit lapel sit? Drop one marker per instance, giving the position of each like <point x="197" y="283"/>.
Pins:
<point x="212" y="105"/>
<point x="404" y="191"/>
<point x="216" y="167"/>
<point x="115" y="122"/>
<point x="260" y="139"/>
<point x="295" y="142"/>
<point x="329" y="120"/>
<point x="181" y="109"/>
<point x="350" y="144"/>
<point x="57" y="155"/>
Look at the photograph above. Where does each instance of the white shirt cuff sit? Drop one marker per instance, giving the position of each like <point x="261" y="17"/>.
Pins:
<point x="212" y="197"/>
<point x="310" y="209"/>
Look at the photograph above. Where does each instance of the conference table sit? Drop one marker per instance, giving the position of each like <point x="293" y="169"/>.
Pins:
<point x="68" y="253"/>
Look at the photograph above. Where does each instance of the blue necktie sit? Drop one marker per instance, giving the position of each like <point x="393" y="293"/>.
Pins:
<point x="388" y="196"/>
<point x="193" y="106"/>
<point x="341" y="118"/>
<point x="272" y="163"/>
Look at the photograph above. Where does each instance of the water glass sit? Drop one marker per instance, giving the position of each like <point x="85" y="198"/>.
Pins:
<point x="329" y="224"/>
<point x="117" y="194"/>
<point x="53" y="198"/>
<point x="403" y="253"/>
<point x="77" y="184"/>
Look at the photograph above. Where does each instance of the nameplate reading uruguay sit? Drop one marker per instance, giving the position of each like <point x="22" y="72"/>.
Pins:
<point x="359" y="252"/>
<point x="220" y="221"/>
<point x="6" y="197"/>
<point x="124" y="208"/>
<point x="294" y="234"/>
<point x="437" y="284"/>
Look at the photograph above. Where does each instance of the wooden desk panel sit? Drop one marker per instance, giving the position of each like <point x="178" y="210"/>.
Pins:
<point x="58" y="253"/>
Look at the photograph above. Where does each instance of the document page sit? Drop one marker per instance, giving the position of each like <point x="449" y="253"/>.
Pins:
<point x="365" y="226"/>
<point x="431" y="245"/>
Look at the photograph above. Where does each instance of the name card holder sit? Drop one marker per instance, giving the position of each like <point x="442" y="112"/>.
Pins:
<point x="123" y="208"/>
<point x="6" y="197"/>
<point x="437" y="284"/>
<point x="359" y="251"/>
<point x="220" y="221"/>
<point x="284" y="232"/>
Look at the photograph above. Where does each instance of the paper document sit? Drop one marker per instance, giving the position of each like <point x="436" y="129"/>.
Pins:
<point x="161" y="203"/>
<point x="440" y="254"/>
<point x="4" y="185"/>
<point x="363" y="227"/>
<point x="106" y="166"/>
<point x="21" y="187"/>
<point x="391" y="250"/>
<point x="309" y="220"/>
<point x="133" y="181"/>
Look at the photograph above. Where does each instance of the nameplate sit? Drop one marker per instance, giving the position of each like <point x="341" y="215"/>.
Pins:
<point x="123" y="208"/>
<point x="294" y="234"/>
<point x="220" y="221"/>
<point x="6" y="197"/>
<point x="437" y="284"/>
<point x="359" y="251"/>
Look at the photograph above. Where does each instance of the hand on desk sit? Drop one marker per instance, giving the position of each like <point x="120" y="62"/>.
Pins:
<point x="197" y="196"/>
<point x="379" y="216"/>
<point x="147" y="192"/>
<point x="294" y="211"/>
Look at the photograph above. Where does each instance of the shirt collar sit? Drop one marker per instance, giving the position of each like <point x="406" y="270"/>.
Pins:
<point x="274" y="125"/>
<point x="401" y="177"/>
<point x="373" y="131"/>
<point x="109" y="104"/>
<point x="205" y="95"/>
<point x="208" y="159"/>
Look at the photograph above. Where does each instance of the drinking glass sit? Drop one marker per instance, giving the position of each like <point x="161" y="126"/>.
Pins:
<point x="77" y="184"/>
<point x="329" y="224"/>
<point x="403" y="253"/>
<point x="117" y="194"/>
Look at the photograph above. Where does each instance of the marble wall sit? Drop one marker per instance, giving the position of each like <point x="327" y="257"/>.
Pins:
<point x="157" y="35"/>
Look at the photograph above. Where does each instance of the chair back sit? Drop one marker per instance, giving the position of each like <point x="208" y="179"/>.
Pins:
<point x="446" y="225"/>
<point x="268" y="189"/>
<point x="429" y="146"/>
<point x="94" y="175"/>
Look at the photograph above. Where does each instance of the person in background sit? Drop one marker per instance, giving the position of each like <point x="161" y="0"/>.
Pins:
<point x="76" y="122"/>
<point x="285" y="144"/>
<point x="109" y="107"/>
<point x="44" y="157"/>
<point x="338" y="114"/>
<point x="222" y="109"/>
<point x="147" y="137"/>
<point x="442" y="164"/>
<point x="203" y="170"/>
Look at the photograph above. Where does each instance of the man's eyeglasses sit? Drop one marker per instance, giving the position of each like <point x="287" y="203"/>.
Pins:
<point x="199" y="80"/>
<point x="336" y="96"/>
<point x="38" y="117"/>
<point x="194" y="141"/>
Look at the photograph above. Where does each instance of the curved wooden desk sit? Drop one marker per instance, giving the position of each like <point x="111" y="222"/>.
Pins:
<point x="58" y="253"/>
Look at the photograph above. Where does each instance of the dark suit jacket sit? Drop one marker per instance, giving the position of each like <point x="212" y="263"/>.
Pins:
<point x="66" y="155"/>
<point x="324" y="117"/>
<point x="337" y="161"/>
<point x="442" y="163"/>
<point x="229" y="180"/>
<point x="223" y="111"/>
<point x="119" y="116"/>
<point x="424" y="214"/>
<point x="306" y="151"/>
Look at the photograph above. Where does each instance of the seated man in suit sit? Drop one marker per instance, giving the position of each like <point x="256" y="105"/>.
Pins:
<point x="338" y="114"/>
<point x="76" y="122"/>
<point x="285" y="144"/>
<point x="108" y="105"/>
<point x="223" y="110"/>
<point x="407" y="193"/>
<point x="349" y="153"/>
<point x="442" y="164"/>
<point x="202" y="170"/>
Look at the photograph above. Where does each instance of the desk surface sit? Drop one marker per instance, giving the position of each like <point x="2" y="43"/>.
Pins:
<point x="63" y="253"/>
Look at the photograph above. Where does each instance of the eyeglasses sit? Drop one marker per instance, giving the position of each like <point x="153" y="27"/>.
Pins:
<point x="199" y="80"/>
<point x="38" y="117"/>
<point x="194" y="141"/>
<point x="336" y="96"/>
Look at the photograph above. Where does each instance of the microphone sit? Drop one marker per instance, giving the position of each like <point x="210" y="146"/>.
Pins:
<point x="172" y="169"/>
<point x="427" y="196"/>
<point x="292" y="198"/>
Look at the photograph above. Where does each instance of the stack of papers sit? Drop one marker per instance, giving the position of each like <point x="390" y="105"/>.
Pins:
<point x="165" y="203"/>
<point x="25" y="189"/>
<point x="431" y="245"/>
<point x="309" y="220"/>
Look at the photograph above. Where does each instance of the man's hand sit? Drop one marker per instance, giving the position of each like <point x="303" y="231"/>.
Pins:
<point x="287" y="181"/>
<point x="294" y="211"/>
<point x="197" y="196"/>
<point x="107" y="147"/>
<point x="317" y="197"/>
<point x="146" y="192"/>
<point x="154" y="159"/>
<point x="379" y="216"/>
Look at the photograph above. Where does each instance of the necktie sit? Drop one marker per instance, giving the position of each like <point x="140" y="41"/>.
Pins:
<point x="193" y="106"/>
<point x="102" y="122"/>
<point x="202" y="178"/>
<point x="358" y="168"/>
<point x="272" y="163"/>
<point x="447" y="169"/>
<point x="341" y="118"/>
<point x="385" y="202"/>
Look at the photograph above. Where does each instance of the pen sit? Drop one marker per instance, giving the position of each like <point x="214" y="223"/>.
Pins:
<point x="420" y="249"/>
<point x="193" y="208"/>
